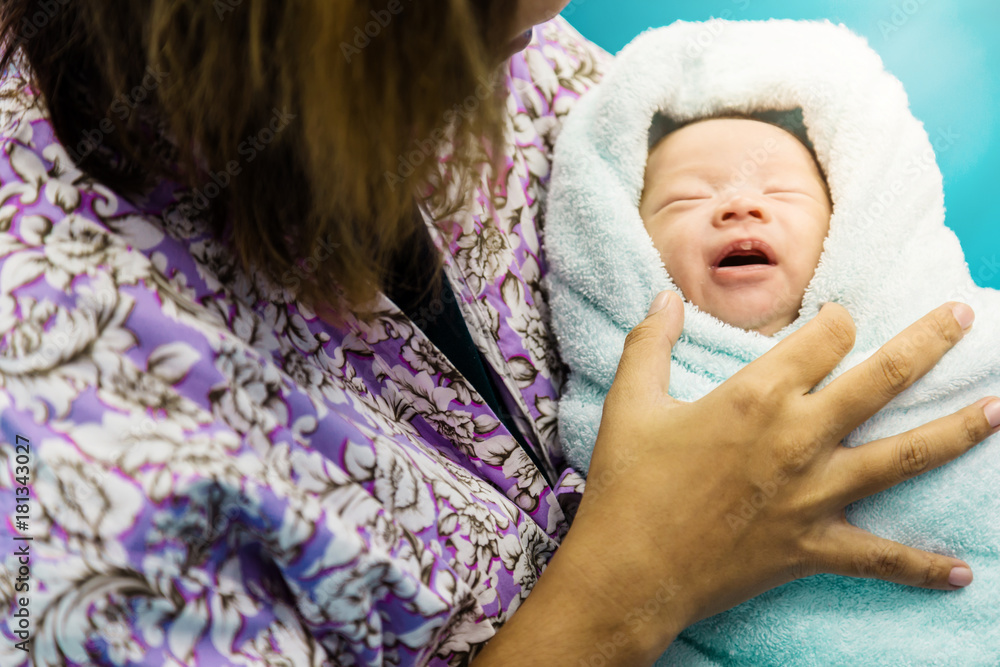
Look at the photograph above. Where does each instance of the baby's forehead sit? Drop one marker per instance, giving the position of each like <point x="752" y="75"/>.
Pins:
<point x="727" y="143"/>
<point x="791" y="120"/>
<point x="727" y="130"/>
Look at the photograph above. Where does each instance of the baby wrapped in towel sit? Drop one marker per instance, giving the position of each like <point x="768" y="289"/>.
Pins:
<point x="737" y="215"/>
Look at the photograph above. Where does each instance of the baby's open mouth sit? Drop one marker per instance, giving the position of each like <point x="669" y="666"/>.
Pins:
<point x="744" y="260"/>
<point x="748" y="252"/>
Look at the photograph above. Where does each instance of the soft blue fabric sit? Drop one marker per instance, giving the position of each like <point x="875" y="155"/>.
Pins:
<point x="889" y="259"/>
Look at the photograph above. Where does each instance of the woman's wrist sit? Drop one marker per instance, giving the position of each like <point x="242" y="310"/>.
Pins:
<point x="590" y="606"/>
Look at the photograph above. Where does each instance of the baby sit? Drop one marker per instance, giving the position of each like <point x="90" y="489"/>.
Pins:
<point x="742" y="247"/>
<point x="666" y="176"/>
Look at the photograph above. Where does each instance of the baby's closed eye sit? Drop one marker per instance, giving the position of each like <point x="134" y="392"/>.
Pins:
<point x="785" y="190"/>
<point x="791" y="193"/>
<point x="682" y="197"/>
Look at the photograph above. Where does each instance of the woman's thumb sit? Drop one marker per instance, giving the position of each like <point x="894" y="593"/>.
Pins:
<point x="646" y="357"/>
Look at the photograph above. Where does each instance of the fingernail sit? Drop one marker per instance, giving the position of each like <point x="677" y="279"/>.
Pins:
<point x="964" y="315"/>
<point x="660" y="302"/>
<point x="960" y="577"/>
<point x="992" y="411"/>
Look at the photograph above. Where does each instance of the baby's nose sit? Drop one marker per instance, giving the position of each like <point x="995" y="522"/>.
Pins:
<point x="741" y="207"/>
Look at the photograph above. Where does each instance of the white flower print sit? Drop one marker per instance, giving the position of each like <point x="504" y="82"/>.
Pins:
<point x="305" y="372"/>
<point x="387" y="323"/>
<point x="18" y="109"/>
<point x="61" y="183"/>
<point x="110" y="620"/>
<point x="179" y="300"/>
<point x="254" y="331"/>
<point x="397" y="485"/>
<point x="393" y="410"/>
<point x="461" y="428"/>
<point x="156" y="452"/>
<point x="182" y="220"/>
<point x="139" y="391"/>
<point x="215" y="263"/>
<point x="434" y="403"/>
<point x="547" y="420"/>
<point x="427" y="397"/>
<point x="464" y="629"/>
<point x="297" y="329"/>
<point x="251" y="394"/>
<point x="484" y="257"/>
<point x="52" y="353"/>
<point x="65" y="251"/>
<point x="136" y="231"/>
<point x="526" y="556"/>
<point x="109" y="506"/>
<point x="535" y="337"/>
<point x="188" y="627"/>
<point x="98" y="594"/>
<point x="229" y="604"/>
<point x="505" y="452"/>
<point x="282" y="644"/>
<point x="542" y="75"/>
<point x="177" y="287"/>
<point x="476" y="525"/>
<point x="531" y="161"/>
<point x="422" y="355"/>
<point x="345" y="598"/>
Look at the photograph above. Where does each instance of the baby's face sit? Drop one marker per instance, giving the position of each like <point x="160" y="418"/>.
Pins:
<point x="739" y="211"/>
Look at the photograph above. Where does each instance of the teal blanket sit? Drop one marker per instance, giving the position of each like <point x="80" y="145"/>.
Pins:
<point x="889" y="259"/>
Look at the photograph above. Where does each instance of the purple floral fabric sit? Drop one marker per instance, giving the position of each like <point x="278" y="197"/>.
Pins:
<point x="211" y="474"/>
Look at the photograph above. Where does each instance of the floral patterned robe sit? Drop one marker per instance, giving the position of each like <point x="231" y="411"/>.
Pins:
<point x="210" y="474"/>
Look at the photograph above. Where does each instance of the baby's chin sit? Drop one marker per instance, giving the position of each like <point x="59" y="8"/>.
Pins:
<point x="765" y="321"/>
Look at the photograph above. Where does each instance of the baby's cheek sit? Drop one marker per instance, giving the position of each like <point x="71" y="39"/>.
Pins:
<point x="678" y="252"/>
<point x="680" y="272"/>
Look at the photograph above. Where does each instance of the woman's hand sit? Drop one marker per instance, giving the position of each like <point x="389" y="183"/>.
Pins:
<point x="692" y="508"/>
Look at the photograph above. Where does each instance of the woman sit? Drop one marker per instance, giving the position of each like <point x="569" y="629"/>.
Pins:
<point x="239" y="450"/>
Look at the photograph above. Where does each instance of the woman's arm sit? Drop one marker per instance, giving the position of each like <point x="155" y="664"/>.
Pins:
<point x="662" y="537"/>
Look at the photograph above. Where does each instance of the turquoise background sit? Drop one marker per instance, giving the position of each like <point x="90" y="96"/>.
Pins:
<point x="946" y="53"/>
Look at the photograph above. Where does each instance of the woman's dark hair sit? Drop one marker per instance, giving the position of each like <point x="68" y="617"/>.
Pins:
<point x="314" y="122"/>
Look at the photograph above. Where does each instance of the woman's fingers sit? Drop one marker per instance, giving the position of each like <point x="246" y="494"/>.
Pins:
<point x="879" y="465"/>
<point x="808" y="355"/>
<point x="857" y="553"/>
<point x="645" y="362"/>
<point x="865" y="389"/>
